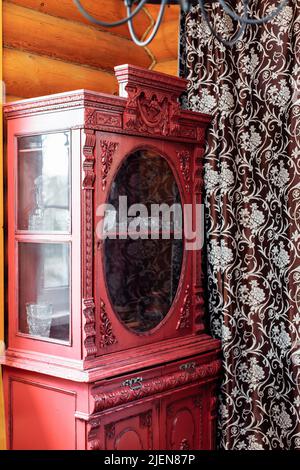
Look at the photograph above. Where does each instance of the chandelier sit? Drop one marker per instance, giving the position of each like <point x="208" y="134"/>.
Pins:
<point x="133" y="7"/>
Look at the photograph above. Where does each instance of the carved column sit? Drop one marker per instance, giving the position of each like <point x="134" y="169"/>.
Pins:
<point x="198" y="277"/>
<point x="88" y="304"/>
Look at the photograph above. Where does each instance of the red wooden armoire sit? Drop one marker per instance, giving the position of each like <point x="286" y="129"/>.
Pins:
<point x="107" y="347"/>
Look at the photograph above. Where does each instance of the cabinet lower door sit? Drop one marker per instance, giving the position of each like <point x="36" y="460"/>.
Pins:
<point x="184" y="423"/>
<point x="132" y="428"/>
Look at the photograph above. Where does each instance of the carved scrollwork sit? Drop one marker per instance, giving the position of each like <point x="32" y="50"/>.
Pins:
<point x="107" y="151"/>
<point x="198" y="174"/>
<point x="93" y="430"/>
<point x="170" y="410"/>
<point x="110" y="431"/>
<point x="107" y="337"/>
<point x="184" y="445"/>
<point x="185" y="311"/>
<point x="122" y="395"/>
<point x="199" y="309"/>
<point x="89" y="327"/>
<point x="198" y="402"/>
<point x="89" y="160"/>
<point x="88" y="306"/>
<point x="100" y="118"/>
<point x="185" y="168"/>
<point x="201" y="134"/>
<point x="146" y="419"/>
<point x="198" y="285"/>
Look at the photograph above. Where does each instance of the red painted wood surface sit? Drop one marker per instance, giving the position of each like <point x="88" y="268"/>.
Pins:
<point x="111" y="387"/>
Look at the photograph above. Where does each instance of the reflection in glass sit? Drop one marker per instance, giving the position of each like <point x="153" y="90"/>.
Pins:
<point x="143" y="274"/>
<point x="44" y="290"/>
<point x="44" y="183"/>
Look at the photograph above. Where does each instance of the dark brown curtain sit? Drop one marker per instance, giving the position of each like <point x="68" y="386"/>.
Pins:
<point x="252" y="184"/>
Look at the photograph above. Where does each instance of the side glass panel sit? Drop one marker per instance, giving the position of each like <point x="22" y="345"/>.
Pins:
<point x="44" y="183"/>
<point x="44" y="290"/>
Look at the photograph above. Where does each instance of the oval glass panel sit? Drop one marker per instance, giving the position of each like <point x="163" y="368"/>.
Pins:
<point x="143" y="248"/>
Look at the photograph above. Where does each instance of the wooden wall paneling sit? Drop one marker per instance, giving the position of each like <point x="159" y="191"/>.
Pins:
<point x="10" y="98"/>
<point x="104" y="10"/>
<point x="29" y="75"/>
<point x="171" y="12"/>
<point x="68" y="40"/>
<point x="164" y="47"/>
<point x="169" y="66"/>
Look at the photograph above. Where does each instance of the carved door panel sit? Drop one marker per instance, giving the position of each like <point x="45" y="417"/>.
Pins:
<point x="182" y="420"/>
<point x="143" y="286"/>
<point x="133" y="428"/>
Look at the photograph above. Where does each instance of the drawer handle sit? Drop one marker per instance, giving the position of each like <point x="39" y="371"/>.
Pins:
<point x="133" y="384"/>
<point x="188" y="367"/>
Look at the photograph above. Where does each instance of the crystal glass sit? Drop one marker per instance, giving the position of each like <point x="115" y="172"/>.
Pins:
<point x="39" y="318"/>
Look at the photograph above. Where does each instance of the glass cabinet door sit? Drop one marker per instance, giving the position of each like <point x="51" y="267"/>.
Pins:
<point x="142" y="273"/>
<point x="44" y="209"/>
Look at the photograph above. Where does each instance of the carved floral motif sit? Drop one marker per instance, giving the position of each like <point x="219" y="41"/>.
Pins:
<point x="184" y="445"/>
<point x="107" y="151"/>
<point x="107" y="338"/>
<point x="146" y="419"/>
<point x="185" y="168"/>
<point x="110" y="431"/>
<point x="185" y="311"/>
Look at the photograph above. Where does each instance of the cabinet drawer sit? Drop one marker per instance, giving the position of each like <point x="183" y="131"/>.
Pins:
<point x="123" y="390"/>
<point x="198" y="369"/>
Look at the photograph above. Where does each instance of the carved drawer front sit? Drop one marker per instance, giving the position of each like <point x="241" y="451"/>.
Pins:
<point x="123" y="390"/>
<point x="126" y="389"/>
<point x="132" y="428"/>
<point x="182" y="420"/>
<point x="203" y="368"/>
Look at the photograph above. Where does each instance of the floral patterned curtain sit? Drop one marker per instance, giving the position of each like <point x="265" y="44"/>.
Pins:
<point x="252" y="184"/>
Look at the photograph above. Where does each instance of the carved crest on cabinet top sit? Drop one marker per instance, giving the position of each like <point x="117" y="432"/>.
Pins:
<point x="147" y="110"/>
<point x="151" y="112"/>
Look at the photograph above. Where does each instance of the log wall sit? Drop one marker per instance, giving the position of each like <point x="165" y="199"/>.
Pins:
<point x="50" y="48"/>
